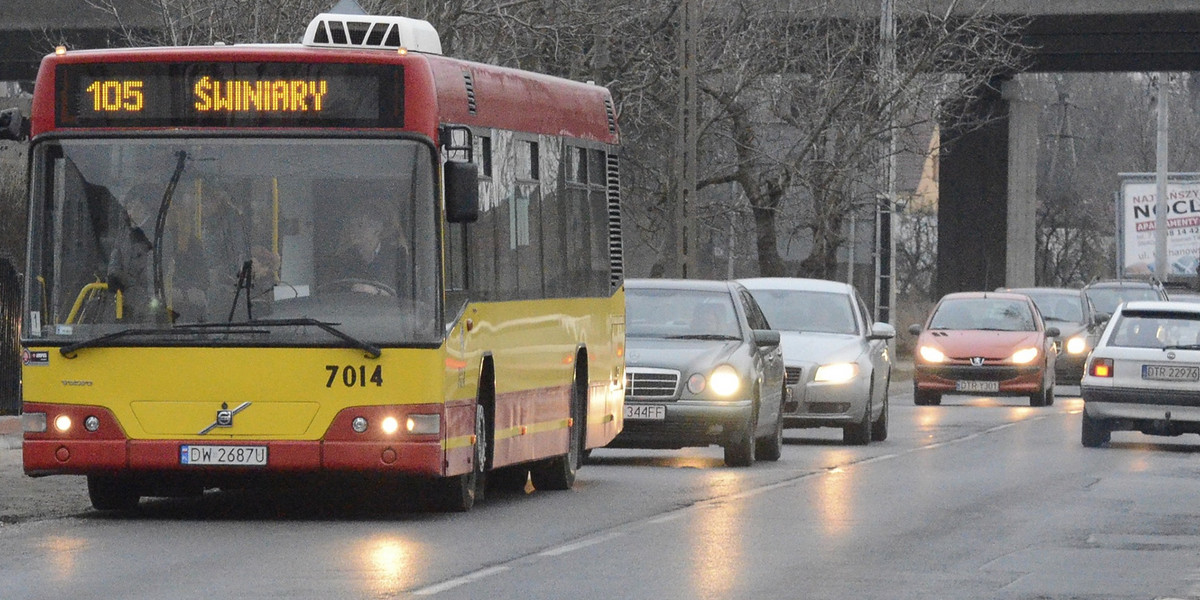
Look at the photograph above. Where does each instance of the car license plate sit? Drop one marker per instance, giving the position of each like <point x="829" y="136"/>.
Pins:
<point x="241" y="456"/>
<point x="1170" y="373"/>
<point x="977" y="386"/>
<point x="648" y="412"/>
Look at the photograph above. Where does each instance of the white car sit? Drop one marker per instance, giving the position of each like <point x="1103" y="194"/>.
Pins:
<point x="1144" y="374"/>
<point x="836" y="360"/>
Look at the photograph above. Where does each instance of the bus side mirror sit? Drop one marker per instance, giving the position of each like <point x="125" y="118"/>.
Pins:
<point x="462" y="192"/>
<point x="12" y="124"/>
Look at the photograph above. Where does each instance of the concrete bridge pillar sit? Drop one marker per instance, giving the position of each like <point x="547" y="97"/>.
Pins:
<point x="987" y="208"/>
<point x="1021" y="226"/>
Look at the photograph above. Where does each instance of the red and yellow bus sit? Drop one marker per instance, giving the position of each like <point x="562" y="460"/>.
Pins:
<point x="351" y="255"/>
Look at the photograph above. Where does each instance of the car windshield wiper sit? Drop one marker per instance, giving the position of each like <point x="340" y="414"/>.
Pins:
<point x="703" y="336"/>
<point x="1182" y="347"/>
<point x="242" y="327"/>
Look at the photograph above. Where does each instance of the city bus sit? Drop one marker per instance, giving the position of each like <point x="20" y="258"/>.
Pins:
<point x="351" y="256"/>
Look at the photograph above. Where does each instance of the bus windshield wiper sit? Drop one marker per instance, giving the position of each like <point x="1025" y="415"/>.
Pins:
<point x="69" y="350"/>
<point x="240" y="327"/>
<point x="371" y="350"/>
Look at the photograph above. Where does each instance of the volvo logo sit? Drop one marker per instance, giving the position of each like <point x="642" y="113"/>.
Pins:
<point x="976" y="361"/>
<point x="225" y="417"/>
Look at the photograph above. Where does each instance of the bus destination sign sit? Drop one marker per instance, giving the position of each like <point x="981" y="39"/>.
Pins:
<point x="229" y="94"/>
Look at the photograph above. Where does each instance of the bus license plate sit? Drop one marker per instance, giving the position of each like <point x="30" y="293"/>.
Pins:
<point x="977" y="386"/>
<point x="646" y="412"/>
<point x="1170" y="373"/>
<point x="238" y="456"/>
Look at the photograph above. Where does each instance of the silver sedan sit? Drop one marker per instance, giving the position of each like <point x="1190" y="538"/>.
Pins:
<point x="837" y="361"/>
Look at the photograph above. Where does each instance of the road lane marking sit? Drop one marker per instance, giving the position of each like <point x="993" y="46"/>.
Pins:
<point x="457" y="581"/>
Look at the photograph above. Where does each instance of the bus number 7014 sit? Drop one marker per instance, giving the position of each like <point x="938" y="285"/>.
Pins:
<point x="352" y="376"/>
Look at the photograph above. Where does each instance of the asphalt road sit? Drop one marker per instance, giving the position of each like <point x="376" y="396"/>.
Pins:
<point x="977" y="498"/>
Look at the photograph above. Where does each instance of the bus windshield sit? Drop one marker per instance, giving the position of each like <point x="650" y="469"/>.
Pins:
<point x="162" y="233"/>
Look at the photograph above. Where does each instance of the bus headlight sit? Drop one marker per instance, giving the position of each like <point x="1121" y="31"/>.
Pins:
<point x="836" y="373"/>
<point x="725" y="380"/>
<point x="62" y="423"/>
<point x="1076" y="345"/>
<point x="389" y="425"/>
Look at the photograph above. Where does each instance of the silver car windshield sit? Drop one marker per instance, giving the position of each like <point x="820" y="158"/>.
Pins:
<point x="675" y="313"/>
<point x="161" y="233"/>
<point x="798" y="310"/>
<point x="1059" y="307"/>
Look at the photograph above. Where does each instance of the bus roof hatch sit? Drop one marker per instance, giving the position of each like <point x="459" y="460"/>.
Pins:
<point x="330" y="30"/>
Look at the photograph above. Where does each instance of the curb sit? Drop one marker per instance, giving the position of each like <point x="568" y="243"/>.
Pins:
<point x="10" y="431"/>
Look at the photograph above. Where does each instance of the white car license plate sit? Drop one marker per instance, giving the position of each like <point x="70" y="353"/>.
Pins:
<point x="241" y="456"/>
<point x="647" y="412"/>
<point x="1170" y="373"/>
<point x="977" y="386"/>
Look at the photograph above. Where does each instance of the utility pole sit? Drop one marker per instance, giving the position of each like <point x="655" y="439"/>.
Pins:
<point x="686" y="141"/>
<point x="1161" y="88"/>
<point x="885" y="240"/>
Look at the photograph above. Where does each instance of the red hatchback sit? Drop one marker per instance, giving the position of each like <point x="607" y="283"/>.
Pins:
<point x="984" y="344"/>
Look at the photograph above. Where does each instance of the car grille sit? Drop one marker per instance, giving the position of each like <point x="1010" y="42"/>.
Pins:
<point x="650" y="384"/>
<point x="984" y="373"/>
<point x="792" y="375"/>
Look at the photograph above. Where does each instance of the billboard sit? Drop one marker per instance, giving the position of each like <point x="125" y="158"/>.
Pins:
<point x="1137" y="220"/>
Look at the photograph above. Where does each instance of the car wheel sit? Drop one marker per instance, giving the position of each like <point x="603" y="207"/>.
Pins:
<point x="110" y="492"/>
<point x="771" y="448"/>
<point x="1038" y="399"/>
<point x="859" y="434"/>
<point x="740" y="452"/>
<point x="921" y="398"/>
<point x="879" y="429"/>
<point x="1095" y="432"/>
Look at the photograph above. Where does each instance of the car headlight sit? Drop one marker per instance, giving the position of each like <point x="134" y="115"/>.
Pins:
<point x="1024" y="355"/>
<point x="931" y="354"/>
<point x="1077" y="345"/>
<point x="836" y="372"/>
<point x="724" y="380"/>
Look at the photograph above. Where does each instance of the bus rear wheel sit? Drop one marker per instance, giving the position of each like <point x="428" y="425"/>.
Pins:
<point x="112" y="492"/>
<point x="558" y="473"/>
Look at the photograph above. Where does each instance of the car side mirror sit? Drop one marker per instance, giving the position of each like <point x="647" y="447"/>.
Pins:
<point x="1053" y="332"/>
<point x="766" y="337"/>
<point x="462" y="192"/>
<point x="882" y="331"/>
<point x="1101" y="318"/>
<point x="914" y="329"/>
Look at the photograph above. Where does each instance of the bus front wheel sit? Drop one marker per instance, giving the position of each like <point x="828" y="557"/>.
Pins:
<point x="111" y="492"/>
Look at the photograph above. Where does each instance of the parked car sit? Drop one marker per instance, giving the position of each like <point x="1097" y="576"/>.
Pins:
<point x="1144" y="374"/>
<point x="1106" y="295"/>
<point x="1078" y="324"/>
<point x="702" y="367"/>
<point x="984" y="343"/>
<point x="836" y="360"/>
